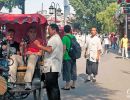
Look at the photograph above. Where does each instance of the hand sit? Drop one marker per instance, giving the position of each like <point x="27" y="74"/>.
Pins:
<point x="29" y="53"/>
<point x="22" y="44"/>
<point x="85" y="56"/>
<point x="36" y="42"/>
<point x="4" y="47"/>
<point x="97" y="59"/>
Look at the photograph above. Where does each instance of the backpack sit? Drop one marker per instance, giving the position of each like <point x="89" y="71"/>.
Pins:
<point x="75" y="49"/>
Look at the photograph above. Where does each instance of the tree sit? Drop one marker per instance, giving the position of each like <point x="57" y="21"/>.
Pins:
<point x="2" y="2"/>
<point x="89" y="9"/>
<point x="10" y="4"/>
<point x="106" y="18"/>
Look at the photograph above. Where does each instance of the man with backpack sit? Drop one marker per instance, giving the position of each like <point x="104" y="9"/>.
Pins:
<point x="92" y="53"/>
<point x="72" y="51"/>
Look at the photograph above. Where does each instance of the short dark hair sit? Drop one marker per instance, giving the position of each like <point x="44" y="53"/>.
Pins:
<point x="32" y="27"/>
<point x="67" y="28"/>
<point x="11" y="31"/>
<point x="54" y="27"/>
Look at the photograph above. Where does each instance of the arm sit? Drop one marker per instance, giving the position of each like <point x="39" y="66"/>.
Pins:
<point x="45" y="48"/>
<point x="85" y="54"/>
<point x="64" y="48"/>
<point x="98" y="54"/>
<point x="99" y="48"/>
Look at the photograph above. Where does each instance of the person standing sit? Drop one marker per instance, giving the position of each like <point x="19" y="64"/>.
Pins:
<point x="52" y="62"/>
<point x="92" y="53"/>
<point x="124" y="46"/>
<point x="106" y="43"/>
<point x="69" y="64"/>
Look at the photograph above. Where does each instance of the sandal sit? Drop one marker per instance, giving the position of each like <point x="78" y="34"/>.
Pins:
<point x="72" y="87"/>
<point x="65" y="88"/>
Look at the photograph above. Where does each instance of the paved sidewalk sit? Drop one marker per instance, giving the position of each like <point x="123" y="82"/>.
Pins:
<point x="113" y="81"/>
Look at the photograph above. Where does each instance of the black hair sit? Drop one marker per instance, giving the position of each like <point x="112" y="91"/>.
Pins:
<point x="54" y="27"/>
<point x="32" y="27"/>
<point x="67" y="28"/>
<point x="11" y="30"/>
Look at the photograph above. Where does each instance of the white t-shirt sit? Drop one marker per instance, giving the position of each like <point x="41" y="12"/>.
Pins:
<point x="106" y="40"/>
<point x="93" y="44"/>
<point x="53" y="61"/>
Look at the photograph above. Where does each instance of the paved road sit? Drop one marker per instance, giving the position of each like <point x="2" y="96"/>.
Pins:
<point x="113" y="81"/>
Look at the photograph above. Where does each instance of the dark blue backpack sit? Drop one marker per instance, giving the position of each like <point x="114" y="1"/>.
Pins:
<point x="75" y="49"/>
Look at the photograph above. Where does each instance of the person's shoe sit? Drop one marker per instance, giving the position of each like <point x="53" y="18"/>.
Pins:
<point x="28" y="86"/>
<point x="88" y="79"/>
<point x="72" y="87"/>
<point x="73" y="84"/>
<point x="65" y="88"/>
<point x="94" y="79"/>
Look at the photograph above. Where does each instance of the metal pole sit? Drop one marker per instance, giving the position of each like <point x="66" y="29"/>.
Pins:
<point x="55" y="15"/>
<point x="126" y="24"/>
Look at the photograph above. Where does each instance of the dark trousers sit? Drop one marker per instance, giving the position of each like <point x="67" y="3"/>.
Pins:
<point x="69" y="70"/>
<point x="91" y="67"/>
<point x="52" y="87"/>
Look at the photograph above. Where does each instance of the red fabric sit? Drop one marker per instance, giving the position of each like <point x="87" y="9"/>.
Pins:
<point x="21" y="23"/>
<point x="128" y="1"/>
<point x="33" y="47"/>
<point x="22" y="18"/>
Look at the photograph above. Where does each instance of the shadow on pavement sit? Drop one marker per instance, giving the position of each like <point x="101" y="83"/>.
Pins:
<point x="125" y="72"/>
<point x="87" y="91"/>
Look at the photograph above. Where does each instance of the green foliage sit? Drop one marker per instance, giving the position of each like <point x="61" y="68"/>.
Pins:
<point x="3" y="0"/>
<point x="9" y="4"/>
<point x="106" y="18"/>
<point x="89" y="9"/>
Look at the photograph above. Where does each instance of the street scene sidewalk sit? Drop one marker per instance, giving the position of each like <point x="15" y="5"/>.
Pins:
<point x="113" y="82"/>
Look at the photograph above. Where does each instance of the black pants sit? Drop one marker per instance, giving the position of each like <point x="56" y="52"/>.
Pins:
<point x="91" y="67"/>
<point x="52" y="87"/>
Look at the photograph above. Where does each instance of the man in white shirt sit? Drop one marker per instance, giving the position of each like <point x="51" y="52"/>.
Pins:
<point x="106" y="43"/>
<point x="92" y="53"/>
<point x="52" y="62"/>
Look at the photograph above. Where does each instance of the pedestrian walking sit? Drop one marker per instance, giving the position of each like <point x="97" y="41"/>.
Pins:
<point x="92" y="53"/>
<point x="124" y="46"/>
<point x="106" y="43"/>
<point x="52" y="62"/>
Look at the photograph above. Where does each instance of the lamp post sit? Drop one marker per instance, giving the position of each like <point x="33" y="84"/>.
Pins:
<point x="54" y="10"/>
<point x="85" y="25"/>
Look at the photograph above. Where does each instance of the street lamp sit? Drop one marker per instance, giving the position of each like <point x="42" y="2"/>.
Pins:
<point x="54" y="10"/>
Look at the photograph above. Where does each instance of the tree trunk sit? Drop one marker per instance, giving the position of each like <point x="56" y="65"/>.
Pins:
<point x="23" y="7"/>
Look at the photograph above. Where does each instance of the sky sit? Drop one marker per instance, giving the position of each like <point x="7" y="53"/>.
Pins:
<point x="32" y="6"/>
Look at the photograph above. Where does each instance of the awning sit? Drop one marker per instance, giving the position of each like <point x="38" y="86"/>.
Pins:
<point x="22" y="18"/>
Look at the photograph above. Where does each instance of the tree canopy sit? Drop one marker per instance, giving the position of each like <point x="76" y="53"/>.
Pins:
<point x="9" y="4"/>
<point x="86" y="11"/>
<point x="106" y="18"/>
